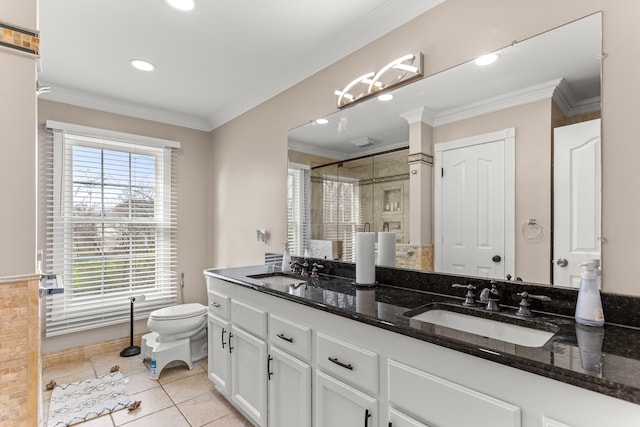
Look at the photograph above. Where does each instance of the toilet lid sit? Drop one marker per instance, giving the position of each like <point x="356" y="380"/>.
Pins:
<point x="180" y="311"/>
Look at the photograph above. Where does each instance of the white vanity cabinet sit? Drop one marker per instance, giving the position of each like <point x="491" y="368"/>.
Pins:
<point x="238" y="354"/>
<point x="346" y="392"/>
<point x="338" y="404"/>
<point x="394" y="380"/>
<point x="289" y="373"/>
<point x="443" y="403"/>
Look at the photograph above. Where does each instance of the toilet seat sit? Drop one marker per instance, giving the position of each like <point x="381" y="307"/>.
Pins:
<point x="177" y="312"/>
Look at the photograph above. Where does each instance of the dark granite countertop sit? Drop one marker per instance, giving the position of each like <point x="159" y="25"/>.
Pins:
<point x="605" y="360"/>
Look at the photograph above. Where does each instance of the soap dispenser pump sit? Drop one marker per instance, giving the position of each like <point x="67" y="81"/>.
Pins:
<point x="589" y="306"/>
<point x="286" y="260"/>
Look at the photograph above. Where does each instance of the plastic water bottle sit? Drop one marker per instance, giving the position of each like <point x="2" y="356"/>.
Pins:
<point x="589" y="306"/>
<point x="153" y="367"/>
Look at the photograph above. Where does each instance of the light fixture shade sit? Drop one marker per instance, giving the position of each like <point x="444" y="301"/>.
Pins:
<point x="142" y="65"/>
<point x="184" y="5"/>
<point x="401" y="70"/>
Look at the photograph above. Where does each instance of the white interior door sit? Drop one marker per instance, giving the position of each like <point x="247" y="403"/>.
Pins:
<point x="474" y="206"/>
<point x="576" y="199"/>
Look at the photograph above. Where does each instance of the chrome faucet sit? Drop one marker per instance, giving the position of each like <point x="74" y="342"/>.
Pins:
<point x="491" y="297"/>
<point x="469" y="297"/>
<point x="303" y="268"/>
<point x="314" y="270"/>
<point x="524" y="310"/>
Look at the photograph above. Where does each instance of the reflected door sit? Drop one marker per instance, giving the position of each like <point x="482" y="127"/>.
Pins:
<point x="576" y="200"/>
<point x="472" y="214"/>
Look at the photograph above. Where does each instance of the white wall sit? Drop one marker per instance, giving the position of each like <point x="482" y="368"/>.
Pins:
<point x="250" y="152"/>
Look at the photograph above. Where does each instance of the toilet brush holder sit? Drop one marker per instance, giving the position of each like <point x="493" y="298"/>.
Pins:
<point x="132" y="350"/>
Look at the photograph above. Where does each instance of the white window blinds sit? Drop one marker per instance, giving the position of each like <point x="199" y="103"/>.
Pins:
<point x="109" y="207"/>
<point x="298" y="216"/>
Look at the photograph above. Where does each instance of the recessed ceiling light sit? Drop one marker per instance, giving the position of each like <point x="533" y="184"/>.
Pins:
<point x="487" y="59"/>
<point x="141" y="65"/>
<point x="184" y="5"/>
<point x="385" y="97"/>
<point x="322" y="121"/>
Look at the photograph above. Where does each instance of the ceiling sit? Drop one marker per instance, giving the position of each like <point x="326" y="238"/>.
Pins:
<point x="212" y="64"/>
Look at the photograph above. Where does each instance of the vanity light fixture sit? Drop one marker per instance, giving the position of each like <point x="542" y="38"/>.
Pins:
<point x="487" y="59"/>
<point x="141" y="65"/>
<point x="401" y="70"/>
<point x="184" y="5"/>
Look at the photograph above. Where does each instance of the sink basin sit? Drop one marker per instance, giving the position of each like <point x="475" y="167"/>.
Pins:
<point x="507" y="332"/>
<point x="279" y="282"/>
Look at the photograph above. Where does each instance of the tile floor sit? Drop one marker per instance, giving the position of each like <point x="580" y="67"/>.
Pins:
<point x="180" y="398"/>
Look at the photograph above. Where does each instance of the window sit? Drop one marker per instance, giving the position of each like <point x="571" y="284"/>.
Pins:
<point x="298" y="232"/>
<point x="341" y="213"/>
<point x="110" y="225"/>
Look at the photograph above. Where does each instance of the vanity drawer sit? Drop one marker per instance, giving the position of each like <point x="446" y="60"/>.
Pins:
<point x="249" y="318"/>
<point x="354" y="365"/>
<point x="437" y="401"/>
<point x="219" y="305"/>
<point x="292" y="337"/>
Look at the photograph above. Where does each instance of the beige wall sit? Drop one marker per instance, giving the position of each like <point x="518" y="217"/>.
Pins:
<point x="253" y="194"/>
<point x="193" y="202"/>
<point x="18" y="148"/>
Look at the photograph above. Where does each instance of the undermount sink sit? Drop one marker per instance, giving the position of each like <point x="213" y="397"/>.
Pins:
<point x="507" y="332"/>
<point x="278" y="281"/>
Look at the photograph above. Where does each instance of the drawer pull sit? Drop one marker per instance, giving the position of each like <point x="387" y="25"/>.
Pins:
<point x="215" y="304"/>
<point x="230" y="348"/>
<point x="339" y="363"/>
<point x="269" y="373"/>
<point x="222" y="337"/>
<point x="367" y="414"/>
<point x="281" y="336"/>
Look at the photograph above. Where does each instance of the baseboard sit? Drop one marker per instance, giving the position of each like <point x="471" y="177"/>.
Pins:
<point x="88" y="351"/>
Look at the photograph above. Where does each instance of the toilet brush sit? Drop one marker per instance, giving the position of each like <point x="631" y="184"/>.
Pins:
<point x="132" y="350"/>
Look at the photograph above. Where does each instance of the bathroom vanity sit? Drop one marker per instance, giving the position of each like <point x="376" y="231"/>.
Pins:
<point x="288" y="350"/>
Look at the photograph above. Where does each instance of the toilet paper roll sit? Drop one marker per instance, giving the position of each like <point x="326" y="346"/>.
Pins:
<point x="387" y="249"/>
<point x="365" y="258"/>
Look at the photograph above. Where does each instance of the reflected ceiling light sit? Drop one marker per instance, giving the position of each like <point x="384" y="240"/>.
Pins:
<point x="385" y="97"/>
<point x="487" y="59"/>
<point x="322" y="121"/>
<point x="141" y="65"/>
<point x="184" y="5"/>
<point x="398" y="71"/>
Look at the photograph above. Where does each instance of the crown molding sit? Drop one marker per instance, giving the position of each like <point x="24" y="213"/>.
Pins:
<point x="566" y="101"/>
<point x="511" y="99"/>
<point x="84" y="99"/>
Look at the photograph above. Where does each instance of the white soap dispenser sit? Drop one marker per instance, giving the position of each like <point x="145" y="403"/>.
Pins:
<point x="286" y="259"/>
<point x="589" y="306"/>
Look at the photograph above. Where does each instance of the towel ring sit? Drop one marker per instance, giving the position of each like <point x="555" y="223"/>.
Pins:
<point x="531" y="230"/>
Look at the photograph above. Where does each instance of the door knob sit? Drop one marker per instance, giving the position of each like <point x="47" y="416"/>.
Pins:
<point x="496" y="258"/>
<point x="562" y="262"/>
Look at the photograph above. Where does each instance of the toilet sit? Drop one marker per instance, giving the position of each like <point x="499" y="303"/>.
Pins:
<point x="178" y="333"/>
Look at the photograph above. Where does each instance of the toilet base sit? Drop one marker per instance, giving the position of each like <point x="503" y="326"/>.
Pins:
<point x="162" y="353"/>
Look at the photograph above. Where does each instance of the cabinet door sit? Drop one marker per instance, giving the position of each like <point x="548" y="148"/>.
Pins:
<point x="289" y="390"/>
<point x="249" y="374"/>
<point x="219" y="353"/>
<point x="338" y="404"/>
<point x="398" y="419"/>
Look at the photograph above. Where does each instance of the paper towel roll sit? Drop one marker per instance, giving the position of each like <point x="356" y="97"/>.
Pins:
<point x="365" y="258"/>
<point x="387" y="249"/>
<point x="366" y="301"/>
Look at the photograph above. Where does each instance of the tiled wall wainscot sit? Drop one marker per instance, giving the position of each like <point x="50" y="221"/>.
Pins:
<point x="19" y="350"/>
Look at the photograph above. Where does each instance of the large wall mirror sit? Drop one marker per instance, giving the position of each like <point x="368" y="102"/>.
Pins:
<point x="507" y="152"/>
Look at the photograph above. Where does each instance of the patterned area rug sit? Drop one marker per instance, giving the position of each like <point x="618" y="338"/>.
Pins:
<point x="77" y="402"/>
